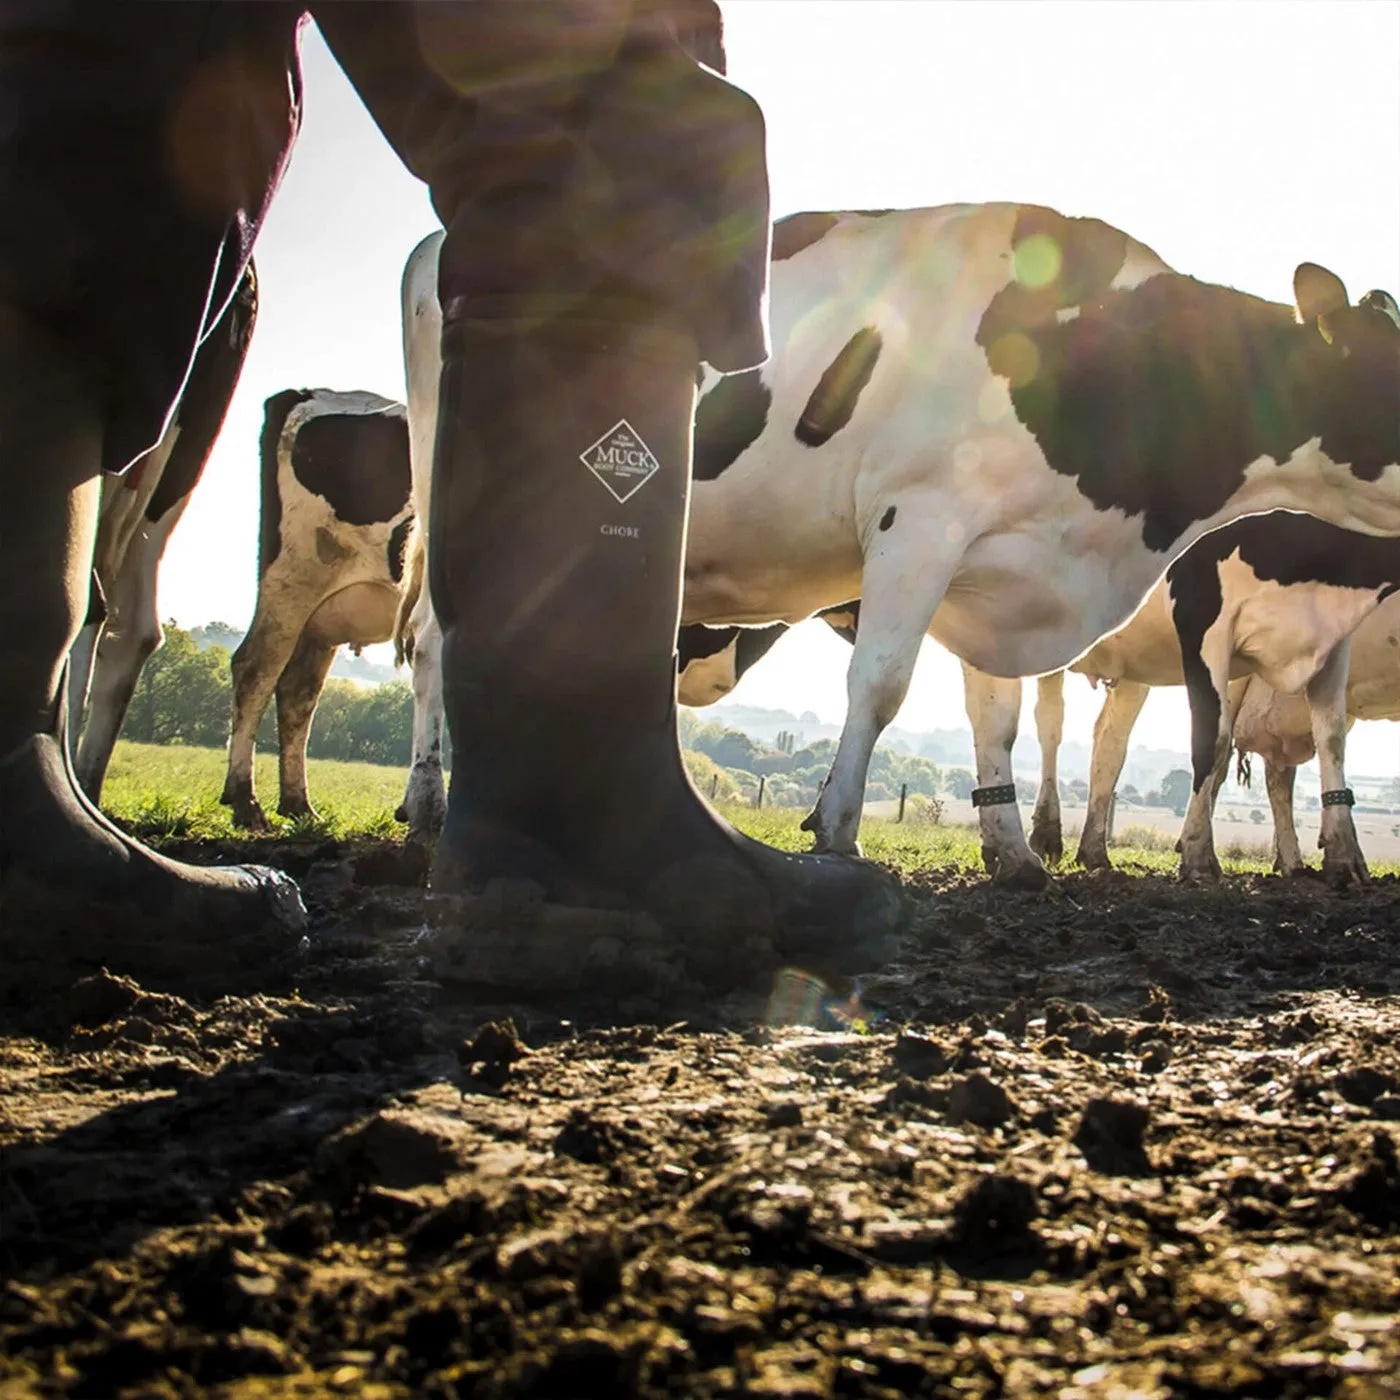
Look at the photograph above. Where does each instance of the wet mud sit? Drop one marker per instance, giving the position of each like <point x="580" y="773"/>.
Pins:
<point x="1122" y="1138"/>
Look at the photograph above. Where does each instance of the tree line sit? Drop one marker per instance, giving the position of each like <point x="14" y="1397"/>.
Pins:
<point x="185" y="694"/>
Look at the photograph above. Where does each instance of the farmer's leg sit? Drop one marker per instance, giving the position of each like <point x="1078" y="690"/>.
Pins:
<point x="606" y="209"/>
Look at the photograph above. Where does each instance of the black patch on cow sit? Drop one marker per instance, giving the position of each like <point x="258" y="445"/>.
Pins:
<point x="1287" y="548"/>
<point x="213" y="377"/>
<point x="696" y="641"/>
<point x="887" y="519"/>
<point x="834" y="399"/>
<point x="798" y="231"/>
<point x="358" y="462"/>
<point x="398" y="537"/>
<point x="728" y="420"/>
<point x="754" y="644"/>
<point x="1156" y="399"/>
<point x="275" y="411"/>
<point x="843" y="619"/>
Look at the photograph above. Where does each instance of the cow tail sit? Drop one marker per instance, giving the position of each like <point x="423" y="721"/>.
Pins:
<point x="1243" y="769"/>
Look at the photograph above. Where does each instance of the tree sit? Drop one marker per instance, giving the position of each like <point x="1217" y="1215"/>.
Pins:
<point x="1257" y="817"/>
<point x="959" y="782"/>
<point x="1176" y="790"/>
<point x="183" y="694"/>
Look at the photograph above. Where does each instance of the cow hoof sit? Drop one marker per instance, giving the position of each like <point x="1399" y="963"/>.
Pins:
<point x="400" y="813"/>
<point x="1096" y="862"/>
<point x="1202" y="874"/>
<point x="1048" y="843"/>
<point x="1343" y="875"/>
<point x="250" y="817"/>
<point x="1021" y="877"/>
<point x="296" y="811"/>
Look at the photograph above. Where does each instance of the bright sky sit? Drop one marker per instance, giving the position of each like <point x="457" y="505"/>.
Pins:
<point x="1237" y="139"/>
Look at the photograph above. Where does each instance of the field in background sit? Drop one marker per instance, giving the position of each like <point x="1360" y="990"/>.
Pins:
<point x="163" y="792"/>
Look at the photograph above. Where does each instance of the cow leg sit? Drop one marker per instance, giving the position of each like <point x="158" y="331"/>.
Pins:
<point x="1288" y="854"/>
<point x="1047" y="836"/>
<point x="1207" y="669"/>
<point x="72" y="887"/>
<point x="298" y="691"/>
<point x="899" y="594"/>
<point x="994" y="710"/>
<point x="133" y="633"/>
<point x="1342" y="860"/>
<point x="80" y="663"/>
<point x="1114" y="727"/>
<point x="424" y="800"/>
<point x="257" y="665"/>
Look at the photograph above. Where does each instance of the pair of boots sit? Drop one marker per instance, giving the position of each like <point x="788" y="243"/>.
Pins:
<point x="574" y="846"/>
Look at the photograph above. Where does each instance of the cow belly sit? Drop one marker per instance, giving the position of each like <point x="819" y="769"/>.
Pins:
<point x="358" y="616"/>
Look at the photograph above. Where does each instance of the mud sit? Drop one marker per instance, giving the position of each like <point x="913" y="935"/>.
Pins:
<point x="1123" y="1138"/>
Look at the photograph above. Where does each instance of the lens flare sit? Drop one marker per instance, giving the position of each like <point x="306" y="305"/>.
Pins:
<point x="1036" y="262"/>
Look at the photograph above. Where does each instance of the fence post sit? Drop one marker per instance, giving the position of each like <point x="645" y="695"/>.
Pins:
<point x="714" y="785"/>
<point x="1112" y="813"/>
<point x="903" y="793"/>
<point x="762" y="780"/>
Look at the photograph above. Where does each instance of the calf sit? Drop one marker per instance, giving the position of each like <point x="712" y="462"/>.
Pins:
<point x="136" y="517"/>
<point x="336" y="511"/>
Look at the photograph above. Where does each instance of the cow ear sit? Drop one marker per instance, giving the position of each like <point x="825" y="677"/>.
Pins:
<point x="1317" y="292"/>
<point x="1383" y="302"/>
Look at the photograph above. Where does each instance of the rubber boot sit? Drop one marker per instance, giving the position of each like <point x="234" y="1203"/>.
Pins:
<point x="560" y="490"/>
<point x="76" y="894"/>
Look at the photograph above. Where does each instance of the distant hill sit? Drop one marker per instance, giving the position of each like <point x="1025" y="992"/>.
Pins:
<point x="1144" y="769"/>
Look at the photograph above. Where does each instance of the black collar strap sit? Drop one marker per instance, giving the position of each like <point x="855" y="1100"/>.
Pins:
<point x="1336" y="797"/>
<point x="1002" y="796"/>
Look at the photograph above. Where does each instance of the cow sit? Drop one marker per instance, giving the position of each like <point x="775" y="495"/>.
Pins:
<point x="1284" y="733"/>
<point x="1277" y="596"/>
<point x="999" y="426"/>
<point x="137" y="514"/>
<point x="336" y="512"/>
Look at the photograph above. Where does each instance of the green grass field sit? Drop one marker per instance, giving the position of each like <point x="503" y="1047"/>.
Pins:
<point x="172" y="792"/>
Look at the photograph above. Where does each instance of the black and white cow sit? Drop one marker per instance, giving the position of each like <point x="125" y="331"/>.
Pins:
<point x="137" y="514"/>
<point x="336" y="511"/>
<point x="999" y="426"/>
<point x="1279" y="597"/>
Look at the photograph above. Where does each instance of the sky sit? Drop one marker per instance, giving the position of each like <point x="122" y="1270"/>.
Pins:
<point x="1236" y="139"/>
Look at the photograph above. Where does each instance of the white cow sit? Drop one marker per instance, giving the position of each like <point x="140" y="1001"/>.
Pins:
<point x="999" y="426"/>
<point x="136" y="516"/>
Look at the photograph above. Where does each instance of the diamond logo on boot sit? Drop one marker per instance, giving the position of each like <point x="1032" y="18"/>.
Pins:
<point x="621" y="460"/>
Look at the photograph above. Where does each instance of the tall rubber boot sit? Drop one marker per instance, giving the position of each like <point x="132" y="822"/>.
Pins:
<point x="560" y="490"/>
<point x="76" y="894"/>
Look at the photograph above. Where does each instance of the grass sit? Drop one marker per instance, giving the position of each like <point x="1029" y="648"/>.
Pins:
<point x="165" y="792"/>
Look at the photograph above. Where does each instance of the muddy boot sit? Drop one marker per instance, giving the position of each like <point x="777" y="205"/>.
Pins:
<point x="75" y="893"/>
<point x="576" y="857"/>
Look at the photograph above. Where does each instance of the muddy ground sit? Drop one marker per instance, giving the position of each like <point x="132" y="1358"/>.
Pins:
<point x="1124" y="1138"/>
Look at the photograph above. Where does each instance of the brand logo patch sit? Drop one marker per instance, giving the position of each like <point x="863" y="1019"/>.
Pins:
<point x="621" y="460"/>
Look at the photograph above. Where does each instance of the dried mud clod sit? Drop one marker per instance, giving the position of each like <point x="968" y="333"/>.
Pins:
<point x="1110" y="1135"/>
